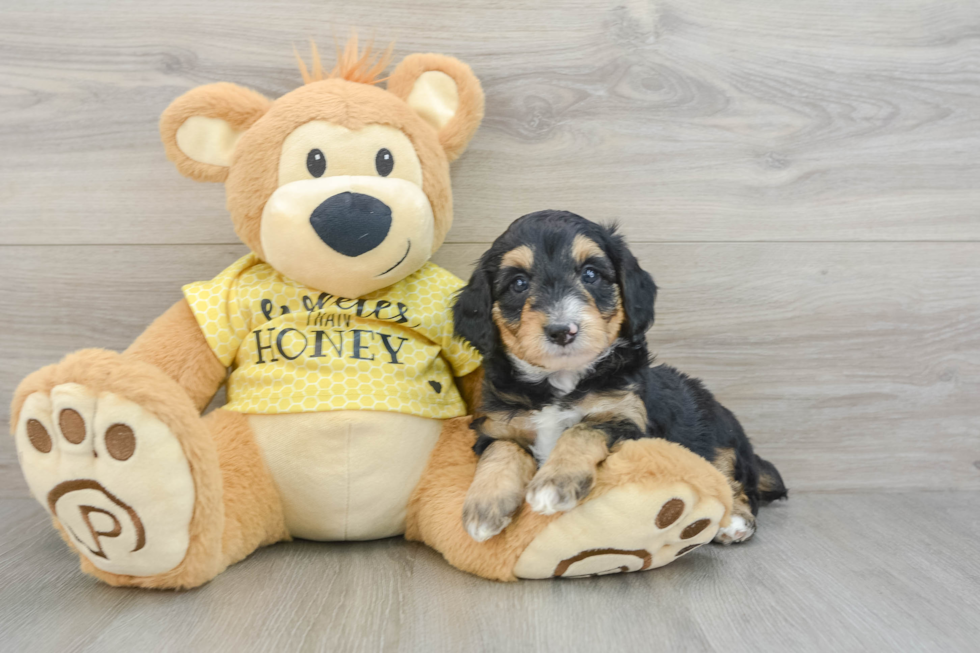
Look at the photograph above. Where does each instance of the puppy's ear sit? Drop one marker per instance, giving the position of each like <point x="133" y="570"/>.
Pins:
<point x="472" y="312"/>
<point x="636" y="285"/>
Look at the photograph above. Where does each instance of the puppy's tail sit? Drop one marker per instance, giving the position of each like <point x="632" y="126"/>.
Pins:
<point x="771" y="486"/>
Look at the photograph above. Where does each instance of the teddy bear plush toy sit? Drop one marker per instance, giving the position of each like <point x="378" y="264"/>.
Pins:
<point x="347" y="392"/>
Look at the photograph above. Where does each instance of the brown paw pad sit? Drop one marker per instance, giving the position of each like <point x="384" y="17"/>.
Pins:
<point x="686" y="549"/>
<point x="671" y="512"/>
<point x="38" y="435"/>
<point x="694" y="528"/>
<point x="120" y="441"/>
<point x="72" y="425"/>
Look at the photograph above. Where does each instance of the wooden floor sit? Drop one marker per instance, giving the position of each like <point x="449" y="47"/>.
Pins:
<point x="800" y="177"/>
<point x="835" y="572"/>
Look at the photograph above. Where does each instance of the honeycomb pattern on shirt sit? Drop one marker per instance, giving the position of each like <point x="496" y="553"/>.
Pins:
<point x="294" y="349"/>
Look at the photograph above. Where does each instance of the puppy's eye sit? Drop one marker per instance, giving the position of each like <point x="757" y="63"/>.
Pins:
<point x="384" y="162"/>
<point x="316" y="163"/>
<point x="590" y="274"/>
<point x="519" y="285"/>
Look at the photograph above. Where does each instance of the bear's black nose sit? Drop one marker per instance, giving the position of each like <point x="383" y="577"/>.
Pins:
<point x="351" y="223"/>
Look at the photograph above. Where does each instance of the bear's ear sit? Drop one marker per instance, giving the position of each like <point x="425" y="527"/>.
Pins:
<point x="201" y="127"/>
<point x="445" y="92"/>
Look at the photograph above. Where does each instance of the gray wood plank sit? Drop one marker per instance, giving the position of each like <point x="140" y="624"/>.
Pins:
<point x="860" y="572"/>
<point x="703" y="120"/>
<point x="818" y="577"/>
<point x="852" y="366"/>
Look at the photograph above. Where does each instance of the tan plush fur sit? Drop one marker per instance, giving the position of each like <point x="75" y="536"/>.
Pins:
<point x="238" y="106"/>
<point x="253" y="510"/>
<point x="175" y="343"/>
<point x="436" y="508"/>
<point x="659" y="462"/>
<point x="434" y="513"/>
<point x="456" y="135"/>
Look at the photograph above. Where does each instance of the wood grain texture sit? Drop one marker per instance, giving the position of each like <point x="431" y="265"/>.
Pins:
<point x="825" y="573"/>
<point x="851" y="366"/>
<point x="688" y="120"/>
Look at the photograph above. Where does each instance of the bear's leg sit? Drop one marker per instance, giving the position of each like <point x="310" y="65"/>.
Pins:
<point x="253" y="510"/>
<point x="136" y="482"/>
<point x="653" y="501"/>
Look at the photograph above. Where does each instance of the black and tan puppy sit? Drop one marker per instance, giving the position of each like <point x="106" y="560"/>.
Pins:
<point x="559" y="308"/>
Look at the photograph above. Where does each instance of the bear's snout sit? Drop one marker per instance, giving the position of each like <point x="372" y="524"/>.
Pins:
<point x="351" y="223"/>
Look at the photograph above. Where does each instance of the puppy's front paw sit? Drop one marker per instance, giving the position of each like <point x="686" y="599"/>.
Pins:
<point x="548" y="495"/>
<point x="485" y="517"/>
<point x="739" y="530"/>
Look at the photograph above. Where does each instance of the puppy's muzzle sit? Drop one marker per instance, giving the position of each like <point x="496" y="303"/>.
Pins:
<point x="351" y="223"/>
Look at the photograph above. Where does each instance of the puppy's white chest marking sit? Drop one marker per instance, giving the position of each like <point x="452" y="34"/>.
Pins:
<point x="564" y="381"/>
<point x="549" y="423"/>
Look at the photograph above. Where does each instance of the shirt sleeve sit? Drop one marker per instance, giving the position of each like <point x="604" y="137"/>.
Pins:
<point x="462" y="357"/>
<point x="215" y="306"/>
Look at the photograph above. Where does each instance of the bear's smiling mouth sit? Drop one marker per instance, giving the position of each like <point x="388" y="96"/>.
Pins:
<point x="405" y="256"/>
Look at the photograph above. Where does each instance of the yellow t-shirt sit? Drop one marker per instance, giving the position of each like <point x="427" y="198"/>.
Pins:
<point x="293" y="349"/>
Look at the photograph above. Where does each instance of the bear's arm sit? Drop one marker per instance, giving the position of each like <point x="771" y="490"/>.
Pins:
<point x="176" y="344"/>
<point x="471" y="389"/>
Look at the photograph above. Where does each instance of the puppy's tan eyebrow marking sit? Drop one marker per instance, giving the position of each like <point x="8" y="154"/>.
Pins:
<point x="584" y="248"/>
<point x="519" y="257"/>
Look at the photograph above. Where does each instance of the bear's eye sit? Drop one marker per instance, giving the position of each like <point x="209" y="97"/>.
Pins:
<point x="316" y="163"/>
<point x="384" y="162"/>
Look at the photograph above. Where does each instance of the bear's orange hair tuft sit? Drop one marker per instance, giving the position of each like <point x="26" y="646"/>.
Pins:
<point x="351" y="65"/>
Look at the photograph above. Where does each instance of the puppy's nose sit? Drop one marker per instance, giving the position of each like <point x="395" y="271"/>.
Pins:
<point x="351" y="223"/>
<point x="561" y="334"/>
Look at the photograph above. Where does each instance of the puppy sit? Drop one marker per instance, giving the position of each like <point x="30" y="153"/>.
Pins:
<point x="559" y="308"/>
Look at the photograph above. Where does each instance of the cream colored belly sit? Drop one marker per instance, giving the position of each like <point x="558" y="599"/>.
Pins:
<point x="345" y="475"/>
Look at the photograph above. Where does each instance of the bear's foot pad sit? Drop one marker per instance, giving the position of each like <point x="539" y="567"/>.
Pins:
<point x="629" y="528"/>
<point x="113" y="476"/>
